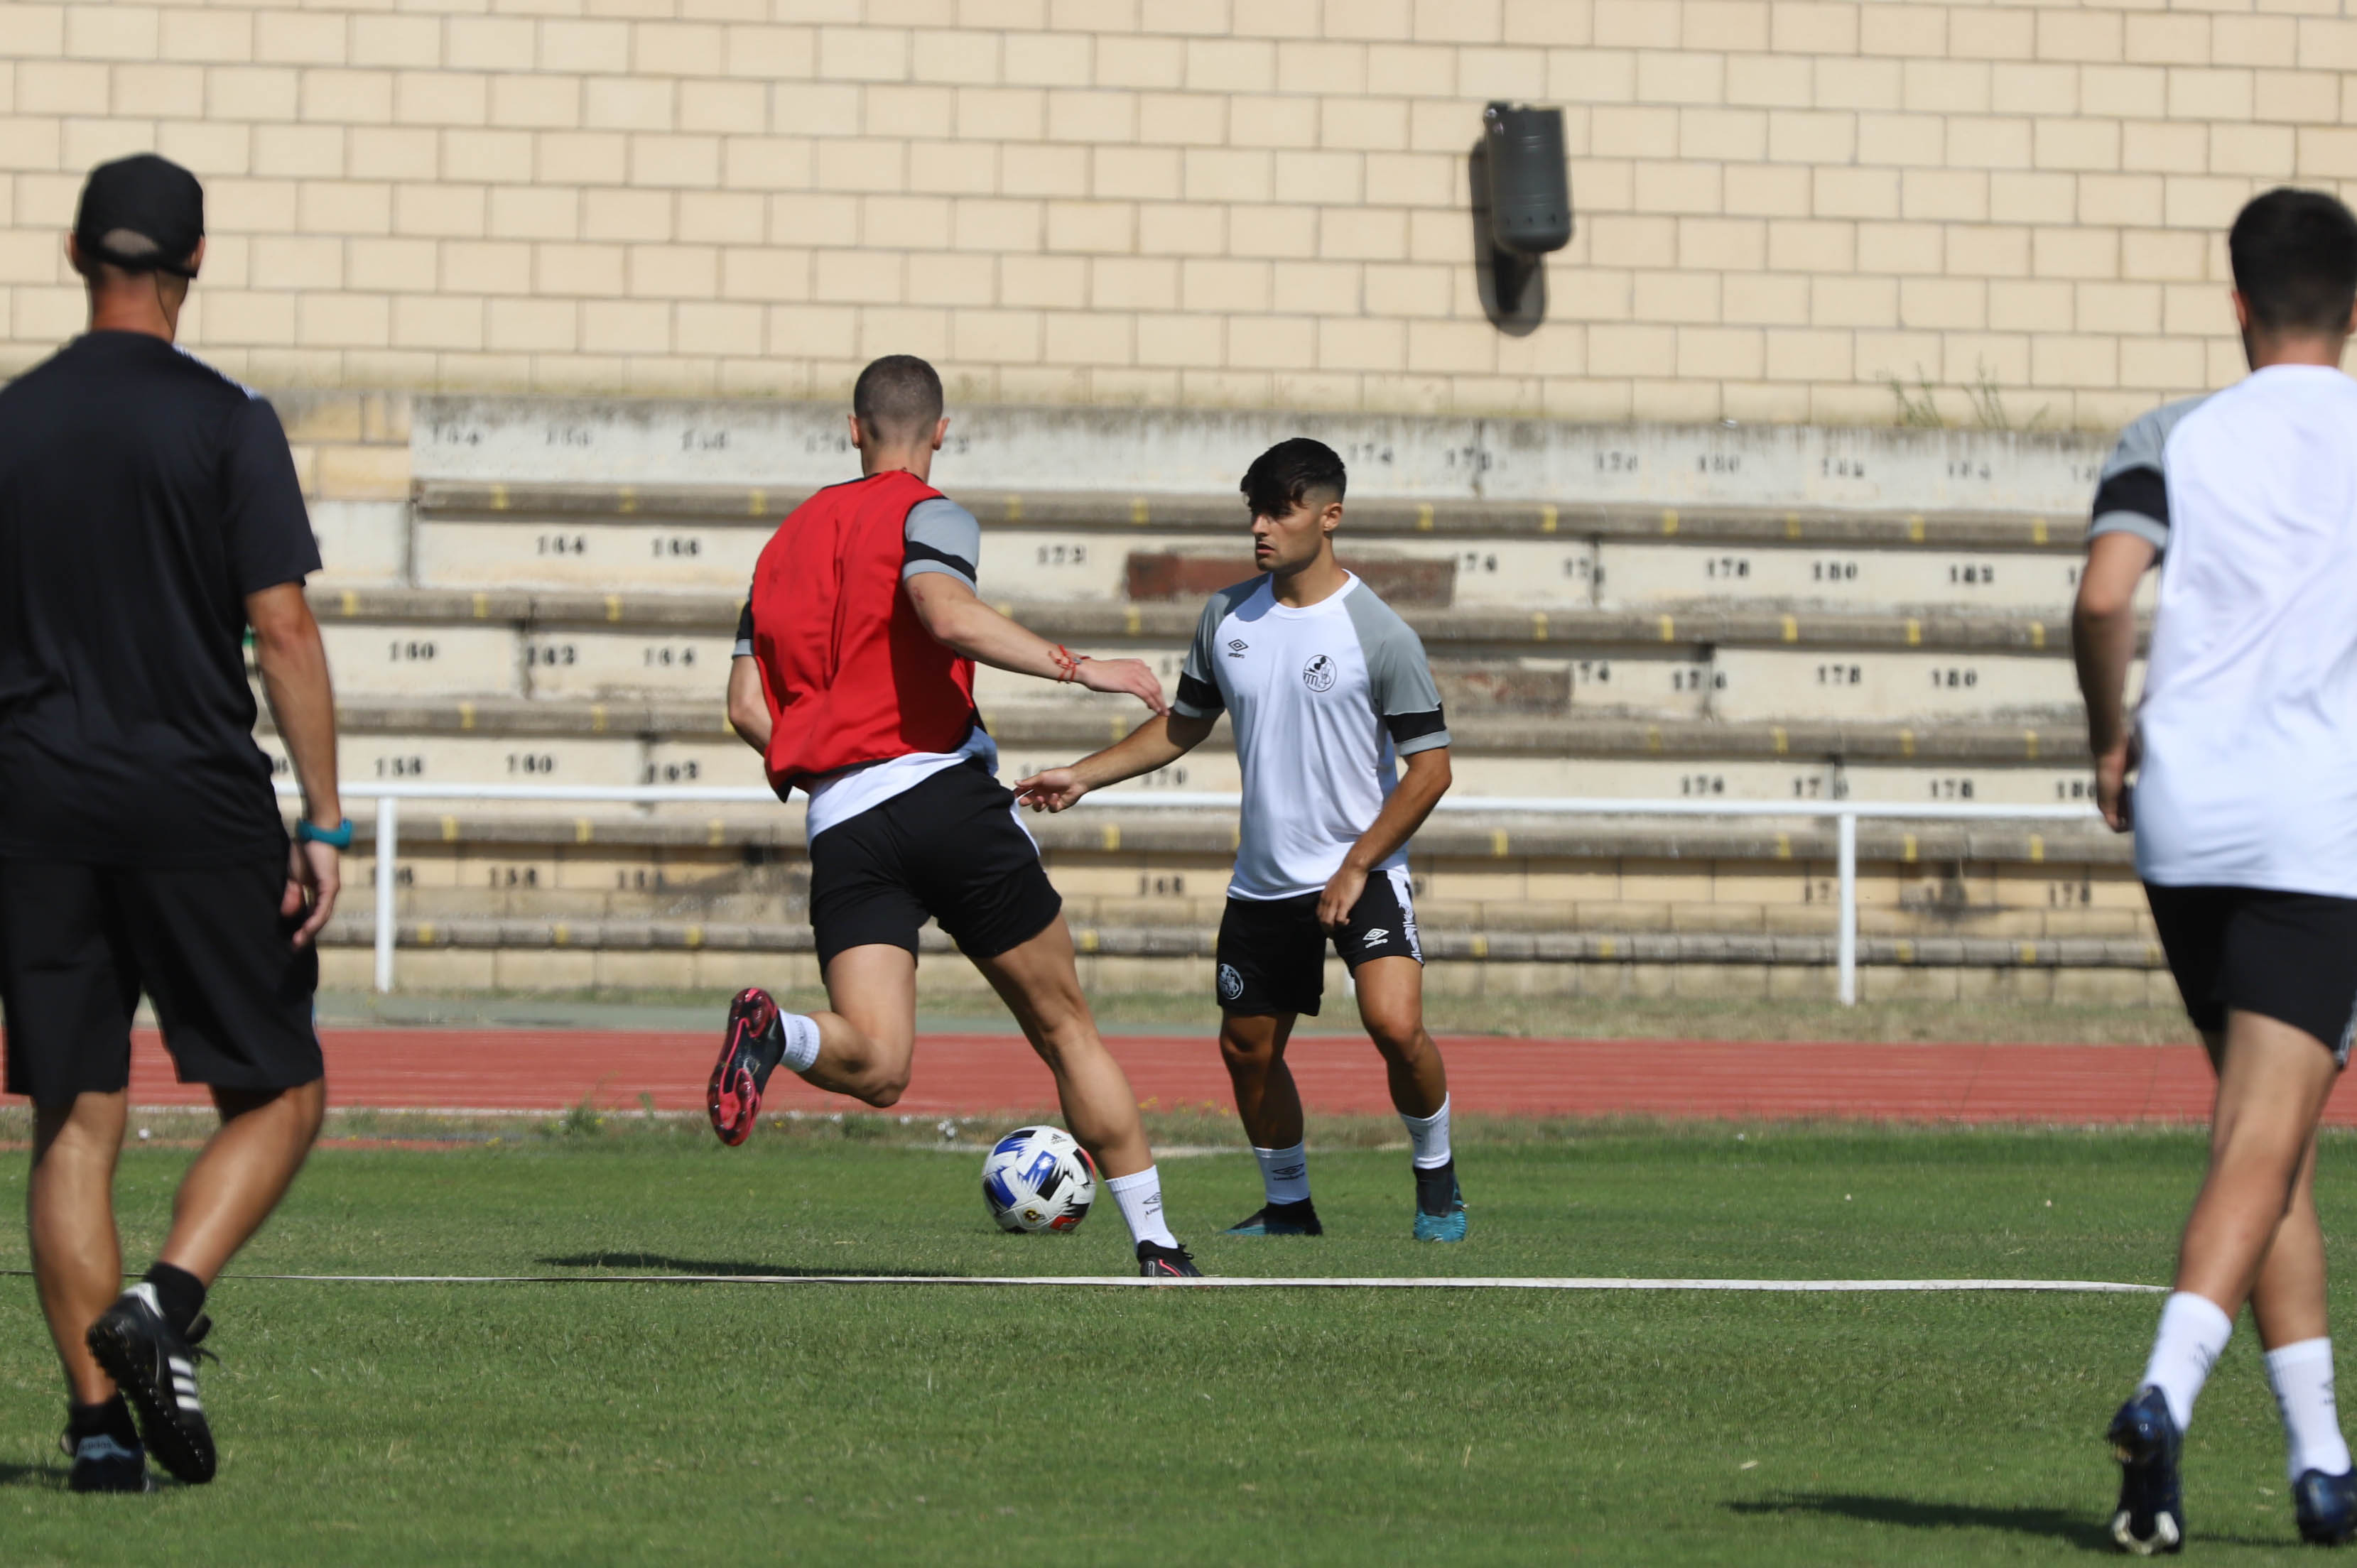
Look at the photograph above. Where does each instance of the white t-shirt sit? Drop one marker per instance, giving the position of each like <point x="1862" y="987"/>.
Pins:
<point x="1323" y="700"/>
<point x="939" y="536"/>
<point x="2249" y="714"/>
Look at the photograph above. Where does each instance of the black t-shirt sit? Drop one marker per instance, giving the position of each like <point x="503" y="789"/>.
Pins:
<point x="142" y="496"/>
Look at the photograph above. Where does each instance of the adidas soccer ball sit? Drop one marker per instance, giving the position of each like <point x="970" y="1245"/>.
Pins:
<point x="1038" y="1178"/>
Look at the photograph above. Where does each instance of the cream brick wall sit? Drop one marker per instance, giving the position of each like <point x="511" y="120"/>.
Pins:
<point x="1785" y="204"/>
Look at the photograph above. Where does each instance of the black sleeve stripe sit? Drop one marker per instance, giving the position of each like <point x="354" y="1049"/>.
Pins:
<point x="2139" y="491"/>
<point x="1201" y="695"/>
<point x="745" y="624"/>
<point x="958" y="563"/>
<point x="1410" y="726"/>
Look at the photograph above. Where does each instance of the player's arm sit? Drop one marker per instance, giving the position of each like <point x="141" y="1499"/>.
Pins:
<point x="1407" y="705"/>
<point x="2127" y="533"/>
<point x="1157" y="743"/>
<point x="2103" y="642"/>
<point x="960" y="621"/>
<point x="1421" y="786"/>
<point x="294" y="665"/>
<point x="748" y="703"/>
<point x="270" y="549"/>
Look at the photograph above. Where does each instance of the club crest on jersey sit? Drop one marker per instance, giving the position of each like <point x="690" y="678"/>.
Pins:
<point x="1318" y="674"/>
<point x="1231" y="985"/>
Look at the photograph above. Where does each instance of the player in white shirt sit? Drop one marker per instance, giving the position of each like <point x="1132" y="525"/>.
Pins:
<point x="1327" y="690"/>
<point x="2244" y="807"/>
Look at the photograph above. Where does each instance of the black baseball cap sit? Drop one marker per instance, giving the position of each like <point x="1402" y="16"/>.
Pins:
<point x="142" y="213"/>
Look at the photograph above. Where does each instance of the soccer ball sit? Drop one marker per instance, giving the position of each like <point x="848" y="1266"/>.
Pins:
<point x="1038" y="1178"/>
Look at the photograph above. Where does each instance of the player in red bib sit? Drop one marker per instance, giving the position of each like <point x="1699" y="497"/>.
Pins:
<point x="853" y="678"/>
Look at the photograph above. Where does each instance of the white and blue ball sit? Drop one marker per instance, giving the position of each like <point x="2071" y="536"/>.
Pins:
<point x="1038" y="1178"/>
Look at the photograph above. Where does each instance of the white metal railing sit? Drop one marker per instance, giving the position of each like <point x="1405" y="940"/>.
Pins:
<point x="1846" y="815"/>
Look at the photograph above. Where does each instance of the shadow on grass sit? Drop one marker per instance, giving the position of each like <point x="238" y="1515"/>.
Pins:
<point x="709" y="1266"/>
<point x="2055" y="1524"/>
<point x="49" y="1477"/>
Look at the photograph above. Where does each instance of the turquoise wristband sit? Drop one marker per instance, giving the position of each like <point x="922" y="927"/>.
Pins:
<point x="338" y="837"/>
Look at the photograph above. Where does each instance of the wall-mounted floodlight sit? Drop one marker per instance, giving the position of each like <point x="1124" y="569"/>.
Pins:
<point x="1522" y="210"/>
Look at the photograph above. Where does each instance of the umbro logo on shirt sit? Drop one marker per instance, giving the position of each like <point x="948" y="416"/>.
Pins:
<point x="1236" y="648"/>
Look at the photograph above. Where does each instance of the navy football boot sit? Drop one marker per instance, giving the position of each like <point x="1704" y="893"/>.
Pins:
<point x="2145" y="1440"/>
<point x="1281" y="1220"/>
<point x="2325" y="1507"/>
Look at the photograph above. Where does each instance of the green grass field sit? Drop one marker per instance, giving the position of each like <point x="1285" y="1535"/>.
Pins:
<point x="670" y="1423"/>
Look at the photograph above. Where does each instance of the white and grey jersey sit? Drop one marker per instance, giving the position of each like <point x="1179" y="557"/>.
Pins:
<point x="2249" y="717"/>
<point x="1324" y="700"/>
<point x="2131" y="493"/>
<point x="940" y="536"/>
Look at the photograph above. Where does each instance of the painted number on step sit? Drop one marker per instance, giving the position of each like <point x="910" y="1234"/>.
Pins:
<point x="550" y="655"/>
<point x="1972" y="574"/>
<point x="667" y="656"/>
<point x="1472" y="561"/>
<point x="2074" y="790"/>
<point x="1842" y="467"/>
<point x="1832" y="571"/>
<point x="1727" y="566"/>
<point x="1720" y="463"/>
<point x="2069" y="895"/>
<point x="1952" y="789"/>
<point x="1165" y="779"/>
<point x="1063" y="555"/>
<point x="563" y="544"/>
<point x="400" y="766"/>
<point x="1593" y="672"/>
<point x="1956" y="679"/>
<point x="674" y="772"/>
<point x="514" y="875"/>
<point x="1841" y="674"/>
<point x="538" y="763"/>
<point x="677" y="546"/>
<point x="1161" y="887"/>
<point x="412" y="652"/>
<point x="1701" y="784"/>
<point x="1697" y="678"/>
<point x="1616" y="462"/>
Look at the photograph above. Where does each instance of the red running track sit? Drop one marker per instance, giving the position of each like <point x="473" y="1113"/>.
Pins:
<point x="525" y="1069"/>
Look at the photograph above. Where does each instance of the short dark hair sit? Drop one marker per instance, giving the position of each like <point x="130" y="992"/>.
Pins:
<point x="900" y="394"/>
<point x="1291" y="472"/>
<point x="2295" y="258"/>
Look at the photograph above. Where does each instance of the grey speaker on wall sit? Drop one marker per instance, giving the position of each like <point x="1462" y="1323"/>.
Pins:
<point x="1522" y="202"/>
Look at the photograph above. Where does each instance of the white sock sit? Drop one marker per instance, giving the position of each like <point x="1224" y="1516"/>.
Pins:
<point x="2193" y="1334"/>
<point x="802" y="1041"/>
<point x="1140" y="1197"/>
<point x="2301" y="1376"/>
<point x="1285" y="1173"/>
<point x="1429" y="1137"/>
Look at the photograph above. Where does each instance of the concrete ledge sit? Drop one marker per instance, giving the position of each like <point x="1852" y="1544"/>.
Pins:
<point x="1456" y="947"/>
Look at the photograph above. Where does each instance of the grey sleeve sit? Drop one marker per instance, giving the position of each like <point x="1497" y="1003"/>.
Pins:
<point x="1199" y="696"/>
<point x="942" y="536"/>
<point x="2131" y="493"/>
<point x="1399" y="676"/>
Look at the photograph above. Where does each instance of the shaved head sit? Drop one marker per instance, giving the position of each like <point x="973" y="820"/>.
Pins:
<point x="898" y="398"/>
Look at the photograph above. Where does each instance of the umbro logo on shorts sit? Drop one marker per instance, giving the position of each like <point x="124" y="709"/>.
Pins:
<point x="1374" y="938"/>
<point x="1318" y="674"/>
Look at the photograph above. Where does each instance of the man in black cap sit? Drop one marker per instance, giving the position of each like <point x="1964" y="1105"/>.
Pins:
<point x="150" y="514"/>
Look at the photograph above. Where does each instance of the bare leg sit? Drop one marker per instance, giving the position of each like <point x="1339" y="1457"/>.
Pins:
<point x="1391" y="1004"/>
<point x="2288" y="1297"/>
<point x="1040" y="984"/>
<point x="867" y="1042"/>
<point x="1268" y="1101"/>
<point x="2273" y="1081"/>
<point x="70" y="1213"/>
<point x="241" y="1174"/>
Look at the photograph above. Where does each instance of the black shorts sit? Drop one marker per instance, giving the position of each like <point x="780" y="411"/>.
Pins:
<point x="951" y="848"/>
<point x="1271" y="952"/>
<point x="2287" y="956"/>
<point x="79" y="943"/>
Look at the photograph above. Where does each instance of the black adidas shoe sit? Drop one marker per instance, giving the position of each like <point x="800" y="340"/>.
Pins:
<point x="2145" y="1440"/>
<point x="106" y="1452"/>
<point x="2325" y="1507"/>
<point x="155" y="1365"/>
<point x="1281" y="1220"/>
<point x="1159" y="1263"/>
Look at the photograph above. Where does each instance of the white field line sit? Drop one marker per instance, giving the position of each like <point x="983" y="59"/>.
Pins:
<point x="2074" y="1287"/>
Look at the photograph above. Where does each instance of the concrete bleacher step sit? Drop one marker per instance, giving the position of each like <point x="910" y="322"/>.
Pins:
<point x="570" y="741"/>
<point x="1107" y="548"/>
<point x="1737" y="661"/>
